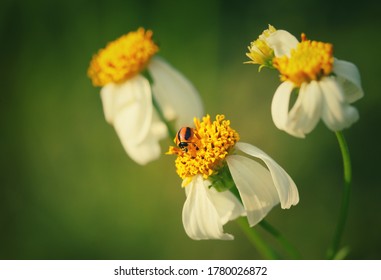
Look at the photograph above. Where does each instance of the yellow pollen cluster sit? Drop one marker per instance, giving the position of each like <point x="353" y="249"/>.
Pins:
<point x="310" y="60"/>
<point x="122" y="58"/>
<point x="214" y="141"/>
<point x="259" y="50"/>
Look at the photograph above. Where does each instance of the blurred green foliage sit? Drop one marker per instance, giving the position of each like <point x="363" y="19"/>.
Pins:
<point x="68" y="190"/>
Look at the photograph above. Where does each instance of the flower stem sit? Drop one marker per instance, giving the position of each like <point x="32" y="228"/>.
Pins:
<point x="256" y="240"/>
<point x="292" y="251"/>
<point x="333" y="250"/>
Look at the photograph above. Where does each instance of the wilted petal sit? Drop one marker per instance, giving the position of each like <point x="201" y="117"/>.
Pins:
<point x="349" y="75"/>
<point x="306" y="112"/>
<point x="128" y="106"/>
<point x="107" y="96"/>
<point x="206" y="210"/>
<point x="148" y="149"/>
<point x="282" y="42"/>
<point x="143" y="152"/>
<point x="255" y="186"/>
<point x="175" y="94"/>
<point x="226" y="204"/>
<point x="280" y="104"/>
<point x="285" y="186"/>
<point x="337" y="113"/>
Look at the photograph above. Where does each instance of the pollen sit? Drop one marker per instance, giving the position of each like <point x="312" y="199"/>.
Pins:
<point x="123" y="58"/>
<point x="215" y="139"/>
<point x="310" y="60"/>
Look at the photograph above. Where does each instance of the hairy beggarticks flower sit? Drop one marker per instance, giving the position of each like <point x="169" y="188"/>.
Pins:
<point x="127" y="95"/>
<point x="259" y="50"/>
<point x="325" y="85"/>
<point x="213" y="162"/>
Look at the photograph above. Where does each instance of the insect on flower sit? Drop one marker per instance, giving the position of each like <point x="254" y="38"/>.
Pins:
<point x="184" y="137"/>
<point x="211" y="166"/>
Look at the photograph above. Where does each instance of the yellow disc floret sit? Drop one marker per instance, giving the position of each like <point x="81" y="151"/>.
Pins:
<point x="310" y="60"/>
<point x="214" y="141"/>
<point x="122" y="58"/>
<point x="259" y="51"/>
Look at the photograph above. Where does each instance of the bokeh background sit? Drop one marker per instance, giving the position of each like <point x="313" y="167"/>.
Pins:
<point x="68" y="190"/>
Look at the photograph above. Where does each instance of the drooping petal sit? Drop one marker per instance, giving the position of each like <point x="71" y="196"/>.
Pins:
<point x="285" y="186"/>
<point x="255" y="186"/>
<point x="175" y="94"/>
<point x="143" y="152"/>
<point x="280" y="104"/>
<point x="306" y="112"/>
<point x="107" y="97"/>
<point x="148" y="149"/>
<point x="282" y="42"/>
<point x="226" y="204"/>
<point x="206" y="211"/>
<point x="128" y="106"/>
<point x="349" y="75"/>
<point x="337" y="114"/>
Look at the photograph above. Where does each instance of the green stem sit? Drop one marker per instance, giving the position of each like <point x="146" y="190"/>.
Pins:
<point x="269" y="228"/>
<point x="256" y="240"/>
<point x="292" y="251"/>
<point x="171" y="132"/>
<point x="333" y="250"/>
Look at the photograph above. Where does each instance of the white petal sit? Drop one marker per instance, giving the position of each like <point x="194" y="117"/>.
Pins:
<point x="128" y="106"/>
<point x="337" y="113"/>
<point x="349" y="75"/>
<point x="201" y="218"/>
<point x="306" y="112"/>
<point x="282" y="42"/>
<point x="175" y="94"/>
<point x="285" y="186"/>
<point x="255" y="187"/>
<point x="280" y="104"/>
<point x="158" y="129"/>
<point x="226" y="204"/>
<point x="143" y="152"/>
<point x="148" y="149"/>
<point x="107" y="97"/>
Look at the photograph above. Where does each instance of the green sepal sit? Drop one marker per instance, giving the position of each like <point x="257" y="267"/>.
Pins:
<point x="222" y="180"/>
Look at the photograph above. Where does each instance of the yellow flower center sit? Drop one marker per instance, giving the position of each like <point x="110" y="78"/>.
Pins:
<point x="310" y="60"/>
<point x="259" y="50"/>
<point x="206" y="154"/>
<point x="122" y="58"/>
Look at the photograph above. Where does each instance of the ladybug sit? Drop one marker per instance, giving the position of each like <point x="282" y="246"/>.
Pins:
<point x="184" y="137"/>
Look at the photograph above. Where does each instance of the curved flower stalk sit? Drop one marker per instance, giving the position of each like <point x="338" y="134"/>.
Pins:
<point x="211" y="162"/>
<point x="129" y="99"/>
<point x="326" y="86"/>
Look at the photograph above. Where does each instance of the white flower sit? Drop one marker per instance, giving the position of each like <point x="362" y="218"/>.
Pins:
<point x="327" y="86"/>
<point x="128" y="97"/>
<point x="128" y="107"/>
<point x="261" y="185"/>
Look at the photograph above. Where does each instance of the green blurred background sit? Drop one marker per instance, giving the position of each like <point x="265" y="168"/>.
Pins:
<point x="68" y="190"/>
